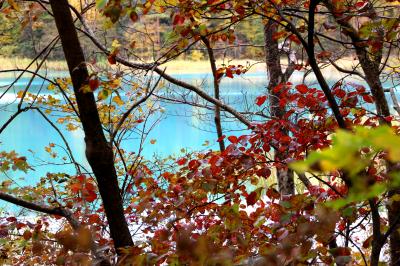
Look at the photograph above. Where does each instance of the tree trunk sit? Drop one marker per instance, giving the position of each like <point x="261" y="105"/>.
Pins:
<point x="98" y="151"/>
<point x="370" y="67"/>
<point x="285" y="176"/>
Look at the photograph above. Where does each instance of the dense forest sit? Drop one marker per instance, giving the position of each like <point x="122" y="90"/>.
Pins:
<point x="300" y="168"/>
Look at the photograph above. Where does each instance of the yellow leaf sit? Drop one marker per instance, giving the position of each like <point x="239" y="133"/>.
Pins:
<point x="118" y="100"/>
<point x="14" y="5"/>
<point x="115" y="44"/>
<point x="103" y="94"/>
<point x="51" y="87"/>
<point x="115" y="83"/>
<point x="396" y="197"/>
<point x="86" y="89"/>
<point x="71" y="127"/>
<point x="6" y="183"/>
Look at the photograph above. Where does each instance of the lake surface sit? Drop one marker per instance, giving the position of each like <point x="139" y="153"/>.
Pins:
<point x="179" y="126"/>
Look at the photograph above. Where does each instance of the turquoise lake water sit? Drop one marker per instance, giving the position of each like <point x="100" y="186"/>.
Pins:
<point x="178" y="126"/>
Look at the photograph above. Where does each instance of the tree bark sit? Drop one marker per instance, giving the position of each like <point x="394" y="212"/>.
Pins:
<point x="217" y="109"/>
<point x="285" y="176"/>
<point x="98" y="151"/>
<point x="371" y="69"/>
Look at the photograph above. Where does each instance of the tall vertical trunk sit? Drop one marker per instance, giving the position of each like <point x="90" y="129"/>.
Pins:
<point x="371" y="69"/>
<point x="372" y="77"/>
<point x="276" y="76"/>
<point x="98" y="151"/>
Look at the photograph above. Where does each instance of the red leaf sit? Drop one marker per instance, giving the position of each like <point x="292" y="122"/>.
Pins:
<point x="75" y="187"/>
<point x="94" y="84"/>
<point x="278" y="88"/>
<point x="181" y="161"/>
<point x="89" y="195"/>
<point x="177" y="189"/>
<point x="302" y="88"/>
<point x="252" y="198"/>
<point x="178" y="20"/>
<point x="273" y="193"/>
<point x="20" y="225"/>
<point x="11" y="219"/>
<point x="233" y="139"/>
<point x="221" y="138"/>
<point x="229" y="73"/>
<point x="324" y="54"/>
<point x="133" y="16"/>
<point x="27" y="235"/>
<point x="240" y="10"/>
<point x="340" y="93"/>
<point x="90" y="187"/>
<point x="278" y="35"/>
<point x="368" y="98"/>
<point x="367" y="242"/>
<point x="260" y="100"/>
<point x="81" y="178"/>
<point x="361" y="4"/>
<point x="111" y="59"/>
<point x="264" y="172"/>
<point x="194" y="164"/>
<point x="94" y="218"/>
<point x="285" y="139"/>
<point x="294" y="39"/>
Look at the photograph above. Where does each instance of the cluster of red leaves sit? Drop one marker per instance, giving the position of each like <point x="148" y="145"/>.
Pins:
<point x="230" y="71"/>
<point x="212" y="203"/>
<point x="84" y="187"/>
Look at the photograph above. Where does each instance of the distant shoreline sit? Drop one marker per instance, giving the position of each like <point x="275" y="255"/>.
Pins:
<point x="56" y="68"/>
<point x="173" y="67"/>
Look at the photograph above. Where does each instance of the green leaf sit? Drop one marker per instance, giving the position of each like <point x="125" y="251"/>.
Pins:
<point x="100" y="4"/>
<point x="358" y="196"/>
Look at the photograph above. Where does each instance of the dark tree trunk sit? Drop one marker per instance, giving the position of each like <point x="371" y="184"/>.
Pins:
<point x="285" y="176"/>
<point x="371" y="69"/>
<point x="98" y="151"/>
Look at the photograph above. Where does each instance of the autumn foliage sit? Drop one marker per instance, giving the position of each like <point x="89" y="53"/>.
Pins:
<point x="338" y="142"/>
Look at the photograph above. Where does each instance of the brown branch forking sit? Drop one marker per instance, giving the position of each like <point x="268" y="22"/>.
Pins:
<point x="309" y="47"/>
<point x="155" y="67"/>
<point x="369" y="66"/>
<point x="32" y="206"/>
<point x="134" y="105"/>
<point x="317" y="71"/>
<point x="59" y="211"/>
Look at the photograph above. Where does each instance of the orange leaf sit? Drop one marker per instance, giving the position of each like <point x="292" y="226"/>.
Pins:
<point x="233" y="139"/>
